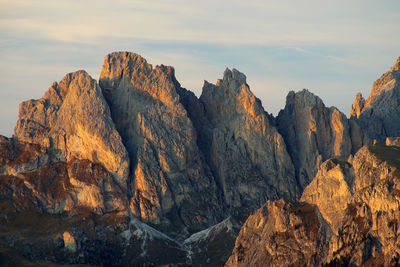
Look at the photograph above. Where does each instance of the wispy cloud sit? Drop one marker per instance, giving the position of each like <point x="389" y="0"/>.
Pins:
<point x="280" y="45"/>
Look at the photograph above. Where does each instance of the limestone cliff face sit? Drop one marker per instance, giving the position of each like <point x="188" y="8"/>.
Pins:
<point x="331" y="190"/>
<point x="247" y="154"/>
<point x="379" y="115"/>
<point x="74" y="137"/>
<point x="314" y="133"/>
<point x="361" y="204"/>
<point x="73" y="118"/>
<point x="349" y="215"/>
<point x="33" y="178"/>
<point x="170" y="183"/>
<point x="281" y="234"/>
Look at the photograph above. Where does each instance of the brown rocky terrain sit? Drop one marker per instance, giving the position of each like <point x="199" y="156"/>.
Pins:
<point x="137" y="171"/>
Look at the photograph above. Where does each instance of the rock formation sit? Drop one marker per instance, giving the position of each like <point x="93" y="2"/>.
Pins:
<point x="281" y="234"/>
<point x="170" y="184"/>
<point x="68" y="135"/>
<point x="246" y="153"/>
<point x="138" y="171"/>
<point x="74" y="118"/>
<point x="349" y="215"/>
<point x="314" y="133"/>
<point x="379" y="115"/>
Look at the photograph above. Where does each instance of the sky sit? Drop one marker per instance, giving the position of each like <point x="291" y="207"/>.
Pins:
<point x="333" y="48"/>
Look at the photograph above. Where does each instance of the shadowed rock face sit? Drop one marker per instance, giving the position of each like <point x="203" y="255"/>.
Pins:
<point x="245" y="151"/>
<point x="170" y="184"/>
<point x="379" y="115"/>
<point x="314" y="133"/>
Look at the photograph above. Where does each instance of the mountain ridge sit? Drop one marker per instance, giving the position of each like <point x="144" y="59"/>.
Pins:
<point x="166" y="165"/>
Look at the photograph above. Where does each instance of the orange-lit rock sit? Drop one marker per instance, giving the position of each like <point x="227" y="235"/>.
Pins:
<point x="74" y="120"/>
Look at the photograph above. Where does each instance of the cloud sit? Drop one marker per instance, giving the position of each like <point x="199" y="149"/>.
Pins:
<point x="216" y="22"/>
<point x="332" y="47"/>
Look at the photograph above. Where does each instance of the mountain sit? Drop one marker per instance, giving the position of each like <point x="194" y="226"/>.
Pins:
<point x="379" y="115"/>
<point x="135" y="170"/>
<point x="348" y="215"/>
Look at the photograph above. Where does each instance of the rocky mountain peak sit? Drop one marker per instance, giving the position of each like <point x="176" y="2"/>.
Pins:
<point x="358" y="106"/>
<point x="122" y="69"/>
<point x="90" y="135"/>
<point x="232" y="78"/>
<point x="379" y="115"/>
<point x="245" y="150"/>
<point x="168" y="176"/>
<point x="232" y="92"/>
<point x="304" y="98"/>
<point x="396" y="66"/>
<point x="388" y="81"/>
<point x="313" y="133"/>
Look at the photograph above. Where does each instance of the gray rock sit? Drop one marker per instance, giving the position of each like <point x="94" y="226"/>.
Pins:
<point x="314" y="133"/>
<point x="379" y="115"/>
<point x="246" y="153"/>
<point x="171" y="187"/>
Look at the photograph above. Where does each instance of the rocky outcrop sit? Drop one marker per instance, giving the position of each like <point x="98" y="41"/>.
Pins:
<point x="369" y="233"/>
<point x="170" y="186"/>
<point x="314" y="133"/>
<point x="32" y="178"/>
<point x="393" y="141"/>
<point x="379" y="115"/>
<point x="349" y="215"/>
<point x="66" y="152"/>
<point x="361" y="204"/>
<point x="246" y="153"/>
<point x="331" y="190"/>
<point x="73" y="118"/>
<point x="281" y="234"/>
<point x="212" y="246"/>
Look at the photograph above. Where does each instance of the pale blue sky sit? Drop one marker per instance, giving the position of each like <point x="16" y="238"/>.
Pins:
<point x="333" y="48"/>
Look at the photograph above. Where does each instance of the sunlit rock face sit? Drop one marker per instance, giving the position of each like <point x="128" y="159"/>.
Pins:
<point x="74" y="118"/>
<point x="281" y="233"/>
<point x="379" y="115"/>
<point x="349" y="214"/>
<point x="170" y="185"/>
<point x="76" y="139"/>
<point x="247" y="155"/>
<point x="314" y="133"/>
<point x="331" y="190"/>
<point x="361" y="204"/>
<point x="33" y="178"/>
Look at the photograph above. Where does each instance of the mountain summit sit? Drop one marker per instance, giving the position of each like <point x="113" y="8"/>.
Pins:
<point x="135" y="170"/>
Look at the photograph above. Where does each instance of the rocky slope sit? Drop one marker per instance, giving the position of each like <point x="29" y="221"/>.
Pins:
<point x="314" y="133"/>
<point x="349" y="214"/>
<point x="137" y="171"/>
<point x="379" y="115"/>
